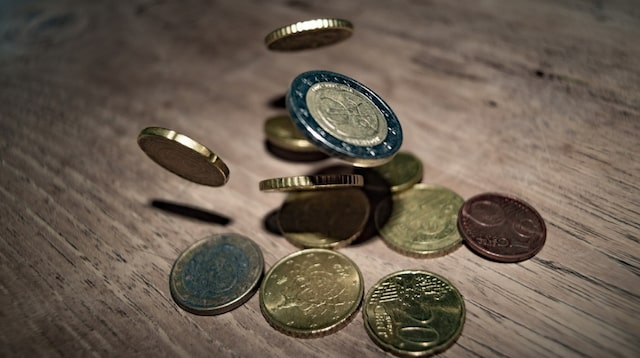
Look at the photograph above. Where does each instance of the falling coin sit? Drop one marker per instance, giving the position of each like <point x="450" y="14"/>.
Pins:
<point x="311" y="293"/>
<point x="311" y="182"/>
<point x="413" y="313"/>
<point x="501" y="227"/>
<point x="281" y="132"/>
<point x="402" y="172"/>
<point x="183" y="156"/>
<point x="422" y="221"/>
<point x="343" y="118"/>
<point x="217" y="274"/>
<point x="308" y="34"/>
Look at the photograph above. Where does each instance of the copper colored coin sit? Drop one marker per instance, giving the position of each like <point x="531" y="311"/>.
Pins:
<point x="501" y="228"/>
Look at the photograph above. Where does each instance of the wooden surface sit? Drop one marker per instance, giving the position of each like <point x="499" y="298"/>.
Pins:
<point x="539" y="99"/>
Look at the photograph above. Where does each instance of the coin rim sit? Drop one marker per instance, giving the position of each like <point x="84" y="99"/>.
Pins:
<point x="326" y="142"/>
<point x="176" y="138"/>
<point x="234" y="303"/>
<point x="493" y="255"/>
<point x="389" y="348"/>
<point x="307" y="26"/>
<point x="301" y="333"/>
<point x="421" y="253"/>
<point x="311" y="182"/>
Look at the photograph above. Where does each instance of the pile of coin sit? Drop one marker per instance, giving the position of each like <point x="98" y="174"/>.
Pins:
<point x="318" y="290"/>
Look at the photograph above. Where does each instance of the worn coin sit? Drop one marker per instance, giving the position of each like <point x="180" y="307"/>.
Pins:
<point x="413" y="313"/>
<point x="311" y="293"/>
<point x="216" y="274"/>
<point x="308" y="34"/>
<point x="281" y="132"/>
<point x="501" y="227"/>
<point x="183" y="156"/>
<point x="311" y="182"/>
<point x="324" y="219"/>
<point x="402" y="172"/>
<point x="422" y="221"/>
<point x="344" y="118"/>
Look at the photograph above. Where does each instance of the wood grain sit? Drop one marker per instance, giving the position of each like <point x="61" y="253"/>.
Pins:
<point x="538" y="99"/>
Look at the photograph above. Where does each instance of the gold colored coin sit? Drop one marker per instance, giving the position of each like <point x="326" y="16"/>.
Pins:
<point x="414" y="313"/>
<point x="312" y="182"/>
<point x="311" y="293"/>
<point x="308" y="34"/>
<point x="281" y="132"/>
<point x="402" y="172"/>
<point x="422" y="221"/>
<point x="183" y="156"/>
<point x="324" y="219"/>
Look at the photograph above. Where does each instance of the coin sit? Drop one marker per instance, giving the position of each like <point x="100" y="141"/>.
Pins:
<point x="311" y="293"/>
<point x="413" y="313"/>
<point x="422" y="221"/>
<point x="501" y="227"/>
<point x="216" y="274"/>
<point x="281" y="132"/>
<point x="402" y="172"/>
<point x="343" y="118"/>
<point x="324" y="219"/>
<point x="183" y="156"/>
<point x="308" y="34"/>
<point x="311" y="182"/>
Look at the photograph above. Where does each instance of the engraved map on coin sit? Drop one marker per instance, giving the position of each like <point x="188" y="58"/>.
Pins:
<point x="346" y="114"/>
<point x="413" y="313"/>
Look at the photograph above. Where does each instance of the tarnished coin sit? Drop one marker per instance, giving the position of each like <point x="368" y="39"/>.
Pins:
<point x="324" y="219"/>
<point x="311" y="293"/>
<point x="343" y="118"/>
<point x="502" y="228"/>
<point x="402" y="172"/>
<point x="311" y="182"/>
<point x="413" y="313"/>
<point x="217" y="274"/>
<point x="183" y="156"/>
<point x="422" y="221"/>
<point x="308" y="34"/>
<point x="281" y="132"/>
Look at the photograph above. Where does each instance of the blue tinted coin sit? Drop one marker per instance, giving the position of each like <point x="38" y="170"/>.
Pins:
<point x="217" y="274"/>
<point x="344" y="118"/>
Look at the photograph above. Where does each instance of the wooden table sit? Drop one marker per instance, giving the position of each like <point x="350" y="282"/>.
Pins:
<point x="538" y="99"/>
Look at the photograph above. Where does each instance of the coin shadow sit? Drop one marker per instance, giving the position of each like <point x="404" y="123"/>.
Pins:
<point x="292" y="156"/>
<point x="270" y="222"/>
<point x="191" y="212"/>
<point x="278" y="102"/>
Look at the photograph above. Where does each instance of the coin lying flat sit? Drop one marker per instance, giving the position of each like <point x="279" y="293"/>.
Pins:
<point x="216" y="274"/>
<point x="183" y="156"/>
<point x="281" y="132"/>
<point x="324" y="219"/>
<point x="311" y="293"/>
<point x="311" y="182"/>
<point x="501" y="227"/>
<point x="343" y="118"/>
<point x="402" y="172"/>
<point x="413" y="313"/>
<point x="422" y="221"/>
<point x="308" y="34"/>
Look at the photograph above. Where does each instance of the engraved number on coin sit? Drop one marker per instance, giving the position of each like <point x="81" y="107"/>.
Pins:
<point x="346" y="114"/>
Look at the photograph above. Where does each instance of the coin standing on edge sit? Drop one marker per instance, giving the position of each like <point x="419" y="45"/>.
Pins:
<point x="308" y="34"/>
<point x="183" y="156"/>
<point x="312" y="182"/>
<point x="402" y="172"/>
<point x="311" y="293"/>
<point x="501" y="227"/>
<point x="413" y="313"/>
<point x="422" y="222"/>
<point x="281" y="132"/>
<point x="343" y="118"/>
<point x="324" y="219"/>
<point x="217" y="274"/>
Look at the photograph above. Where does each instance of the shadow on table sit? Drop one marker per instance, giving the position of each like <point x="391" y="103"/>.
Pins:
<point x="191" y="212"/>
<point x="278" y="102"/>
